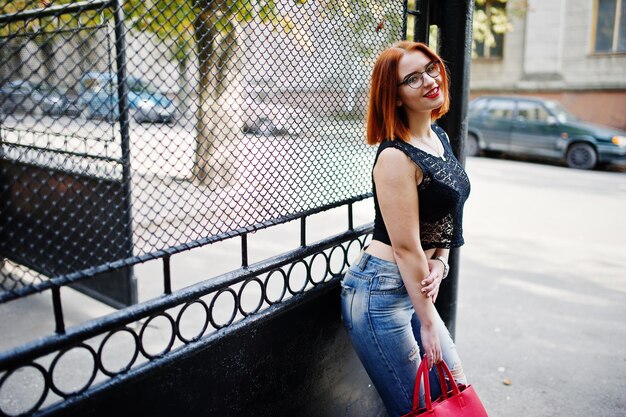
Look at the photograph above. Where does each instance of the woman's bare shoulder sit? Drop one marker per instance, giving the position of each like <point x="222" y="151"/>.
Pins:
<point x="392" y="162"/>
<point x="392" y="155"/>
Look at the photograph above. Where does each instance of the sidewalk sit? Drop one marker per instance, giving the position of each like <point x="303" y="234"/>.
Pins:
<point x="543" y="289"/>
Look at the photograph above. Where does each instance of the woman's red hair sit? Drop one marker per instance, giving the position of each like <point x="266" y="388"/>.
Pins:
<point x="385" y="120"/>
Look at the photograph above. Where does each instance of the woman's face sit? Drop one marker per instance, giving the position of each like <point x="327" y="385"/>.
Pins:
<point x="423" y="94"/>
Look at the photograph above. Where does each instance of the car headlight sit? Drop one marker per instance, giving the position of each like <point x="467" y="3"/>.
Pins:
<point x="619" y="141"/>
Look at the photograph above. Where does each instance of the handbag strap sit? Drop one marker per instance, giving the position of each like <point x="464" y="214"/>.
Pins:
<point x="422" y="373"/>
<point x="442" y="383"/>
<point x="441" y="368"/>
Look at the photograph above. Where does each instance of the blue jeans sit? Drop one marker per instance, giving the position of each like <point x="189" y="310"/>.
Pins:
<point x="385" y="332"/>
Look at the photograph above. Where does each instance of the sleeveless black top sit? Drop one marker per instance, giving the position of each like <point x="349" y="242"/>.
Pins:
<point x="442" y="194"/>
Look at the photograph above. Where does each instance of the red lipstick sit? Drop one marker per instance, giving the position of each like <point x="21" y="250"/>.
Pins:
<point x="434" y="93"/>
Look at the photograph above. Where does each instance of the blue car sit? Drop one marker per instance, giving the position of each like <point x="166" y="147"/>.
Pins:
<point x="24" y="96"/>
<point x="98" y="90"/>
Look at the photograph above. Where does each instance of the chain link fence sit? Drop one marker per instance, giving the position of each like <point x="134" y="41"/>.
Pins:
<point x="137" y="130"/>
<point x="234" y="115"/>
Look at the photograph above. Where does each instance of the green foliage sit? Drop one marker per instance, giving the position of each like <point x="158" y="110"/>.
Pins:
<point x="173" y="20"/>
<point x="492" y="17"/>
<point x="33" y="25"/>
<point x="366" y="19"/>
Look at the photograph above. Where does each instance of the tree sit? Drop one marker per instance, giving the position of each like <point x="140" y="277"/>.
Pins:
<point x="492" y="20"/>
<point x="213" y="30"/>
<point x="206" y="29"/>
<point x="12" y="49"/>
<point x="209" y="31"/>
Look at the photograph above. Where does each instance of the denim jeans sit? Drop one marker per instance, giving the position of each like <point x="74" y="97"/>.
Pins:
<point x="385" y="332"/>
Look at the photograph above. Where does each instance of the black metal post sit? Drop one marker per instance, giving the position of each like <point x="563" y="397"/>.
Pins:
<point x="455" y="47"/>
<point x="58" y="310"/>
<point x="244" y="250"/>
<point x="122" y="89"/>
<point x="421" y="22"/>
<point x="1" y="134"/>
<point x="167" y="275"/>
<point x="421" y="25"/>
<point x="303" y="231"/>
<point x="405" y="18"/>
<point x="350" y="217"/>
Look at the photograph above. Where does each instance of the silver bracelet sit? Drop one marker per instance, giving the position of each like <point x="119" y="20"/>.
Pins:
<point x="446" y="267"/>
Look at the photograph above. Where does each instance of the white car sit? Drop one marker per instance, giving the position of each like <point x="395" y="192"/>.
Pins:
<point x="268" y="119"/>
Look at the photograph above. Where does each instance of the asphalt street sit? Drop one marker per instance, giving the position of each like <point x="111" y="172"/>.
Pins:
<point x="542" y="302"/>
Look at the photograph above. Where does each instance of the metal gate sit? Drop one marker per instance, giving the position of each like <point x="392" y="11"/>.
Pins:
<point x="139" y="132"/>
<point x="65" y="181"/>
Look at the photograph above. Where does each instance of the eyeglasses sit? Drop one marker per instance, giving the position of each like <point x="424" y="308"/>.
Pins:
<point x="416" y="79"/>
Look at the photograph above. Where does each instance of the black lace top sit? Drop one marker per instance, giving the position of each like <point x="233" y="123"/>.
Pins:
<point x="442" y="194"/>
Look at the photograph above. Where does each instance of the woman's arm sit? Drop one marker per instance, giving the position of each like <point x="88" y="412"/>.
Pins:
<point x="430" y="284"/>
<point x="396" y="179"/>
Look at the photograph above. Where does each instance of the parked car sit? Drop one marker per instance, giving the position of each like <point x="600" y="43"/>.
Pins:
<point x="542" y="128"/>
<point x="22" y="96"/>
<point x="58" y="101"/>
<point x="268" y="119"/>
<point x="146" y="103"/>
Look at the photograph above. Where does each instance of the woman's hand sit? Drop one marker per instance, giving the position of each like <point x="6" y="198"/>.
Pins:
<point x="431" y="345"/>
<point x="430" y="284"/>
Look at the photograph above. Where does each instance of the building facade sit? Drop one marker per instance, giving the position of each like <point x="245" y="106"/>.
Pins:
<point x="572" y="51"/>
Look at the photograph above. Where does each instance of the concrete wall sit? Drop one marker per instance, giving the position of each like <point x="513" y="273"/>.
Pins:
<point x="550" y="54"/>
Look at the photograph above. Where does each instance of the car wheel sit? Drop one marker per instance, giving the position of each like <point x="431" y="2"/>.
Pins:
<point x="581" y="156"/>
<point x="471" y="145"/>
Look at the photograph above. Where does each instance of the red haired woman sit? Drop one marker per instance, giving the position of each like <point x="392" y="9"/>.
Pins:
<point x="419" y="190"/>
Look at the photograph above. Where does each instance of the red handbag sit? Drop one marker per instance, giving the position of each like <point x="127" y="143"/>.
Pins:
<point x="458" y="401"/>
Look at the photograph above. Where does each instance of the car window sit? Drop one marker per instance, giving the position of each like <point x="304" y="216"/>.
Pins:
<point x="92" y="84"/>
<point x="476" y="106"/>
<point x="24" y="87"/>
<point x="499" y="109"/>
<point x="560" y="112"/>
<point x="532" y="112"/>
<point x="140" y="86"/>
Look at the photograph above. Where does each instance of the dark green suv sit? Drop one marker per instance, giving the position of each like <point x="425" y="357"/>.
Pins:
<point x="541" y="128"/>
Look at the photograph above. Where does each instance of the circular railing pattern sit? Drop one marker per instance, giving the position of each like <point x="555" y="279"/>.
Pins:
<point x="158" y="334"/>
<point x="205" y="322"/>
<point x="130" y="362"/>
<point x="67" y="352"/>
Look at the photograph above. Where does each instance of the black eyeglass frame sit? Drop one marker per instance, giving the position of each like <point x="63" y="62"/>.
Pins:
<point x="435" y="65"/>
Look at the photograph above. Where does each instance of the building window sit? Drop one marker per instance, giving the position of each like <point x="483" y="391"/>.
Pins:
<point x="610" y="30"/>
<point x="491" y="19"/>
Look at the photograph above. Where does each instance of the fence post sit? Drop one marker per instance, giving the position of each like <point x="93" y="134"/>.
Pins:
<point x="421" y="23"/>
<point x="455" y="47"/>
<point x="124" y="120"/>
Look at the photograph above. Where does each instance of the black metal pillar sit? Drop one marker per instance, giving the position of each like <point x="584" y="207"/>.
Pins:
<point x="124" y="120"/>
<point x="454" y="18"/>
<point x="122" y="87"/>
<point x="421" y="20"/>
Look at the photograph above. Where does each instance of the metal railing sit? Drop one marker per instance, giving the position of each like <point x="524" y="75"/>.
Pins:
<point x="130" y="134"/>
